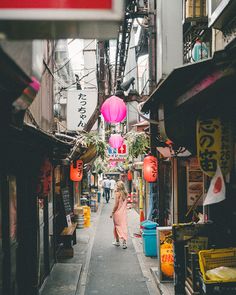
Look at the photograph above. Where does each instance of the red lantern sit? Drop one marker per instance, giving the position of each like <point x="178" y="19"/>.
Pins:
<point x="129" y="175"/>
<point x="76" y="170"/>
<point x="116" y="141"/>
<point x="114" y="110"/>
<point x="150" y="168"/>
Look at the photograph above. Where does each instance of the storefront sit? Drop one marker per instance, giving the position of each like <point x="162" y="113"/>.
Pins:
<point x="196" y="107"/>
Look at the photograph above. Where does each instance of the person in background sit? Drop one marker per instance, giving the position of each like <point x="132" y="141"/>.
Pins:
<point x="106" y="187"/>
<point x="112" y="187"/>
<point x="119" y="215"/>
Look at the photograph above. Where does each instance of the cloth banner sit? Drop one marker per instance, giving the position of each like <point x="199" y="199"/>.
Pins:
<point x="216" y="191"/>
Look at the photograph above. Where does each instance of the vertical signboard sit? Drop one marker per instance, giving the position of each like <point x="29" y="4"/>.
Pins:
<point x="80" y="107"/>
<point x="214" y="145"/>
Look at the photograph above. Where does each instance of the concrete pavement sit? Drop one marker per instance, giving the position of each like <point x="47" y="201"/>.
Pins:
<point x="103" y="268"/>
<point x="113" y="270"/>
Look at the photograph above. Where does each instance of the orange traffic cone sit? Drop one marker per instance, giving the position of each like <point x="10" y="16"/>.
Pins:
<point x="141" y="217"/>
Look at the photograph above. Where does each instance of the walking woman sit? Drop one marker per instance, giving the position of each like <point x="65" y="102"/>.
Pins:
<point x="119" y="215"/>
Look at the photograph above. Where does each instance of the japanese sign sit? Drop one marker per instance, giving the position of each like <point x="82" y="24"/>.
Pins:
<point x="80" y="107"/>
<point x="165" y="253"/>
<point x="214" y="145"/>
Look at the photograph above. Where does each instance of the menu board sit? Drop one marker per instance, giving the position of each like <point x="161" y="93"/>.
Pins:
<point x="66" y="200"/>
<point x="195" y="184"/>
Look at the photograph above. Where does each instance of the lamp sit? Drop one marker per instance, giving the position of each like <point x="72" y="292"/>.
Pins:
<point x="116" y="140"/>
<point x="76" y="170"/>
<point x="150" y="168"/>
<point x="114" y="110"/>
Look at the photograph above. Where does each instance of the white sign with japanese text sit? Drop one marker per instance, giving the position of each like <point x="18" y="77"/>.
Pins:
<point x="80" y="107"/>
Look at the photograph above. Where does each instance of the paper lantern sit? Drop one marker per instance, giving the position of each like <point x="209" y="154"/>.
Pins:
<point x="76" y="170"/>
<point x="150" y="168"/>
<point x="167" y="259"/>
<point x="114" y="110"/>
<point x="129" y="175"/>
<point x="116" y="141"/>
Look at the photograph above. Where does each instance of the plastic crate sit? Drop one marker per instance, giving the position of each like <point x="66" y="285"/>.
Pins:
<point x="209" y="259"/>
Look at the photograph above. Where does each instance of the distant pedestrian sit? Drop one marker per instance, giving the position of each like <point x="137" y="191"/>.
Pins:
<point x="106" y="187"/>
<point x="119" y="215"/>
<point x="112" y="187"/>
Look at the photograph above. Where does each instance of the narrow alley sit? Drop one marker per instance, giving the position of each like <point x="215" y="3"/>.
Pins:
<point x="117" y="117"/>
<point x="101" y="267"/>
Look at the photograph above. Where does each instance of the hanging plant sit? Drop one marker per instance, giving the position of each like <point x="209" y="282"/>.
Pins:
<point x="138" y="143"/>
<point x="100" y="166"/>
<point x="94" y="142"/>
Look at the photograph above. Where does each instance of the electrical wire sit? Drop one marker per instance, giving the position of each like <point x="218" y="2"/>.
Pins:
<point x="74" y="56"/>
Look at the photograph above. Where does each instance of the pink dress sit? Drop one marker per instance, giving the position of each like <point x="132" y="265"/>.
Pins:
<point x="120" y="220"/>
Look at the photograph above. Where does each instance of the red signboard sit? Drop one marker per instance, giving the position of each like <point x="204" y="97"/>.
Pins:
<point x="60" y="19"/>
<point x="122" y="149"/>
<point x="56" y="4"/>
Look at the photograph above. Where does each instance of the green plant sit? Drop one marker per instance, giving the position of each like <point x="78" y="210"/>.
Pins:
<point x="94" y="139"/>
<point x="100" y="165"/>
<point x="138" y="143"/>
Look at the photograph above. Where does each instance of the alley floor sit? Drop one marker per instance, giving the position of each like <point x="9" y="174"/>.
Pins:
<point x="100" y="268"/>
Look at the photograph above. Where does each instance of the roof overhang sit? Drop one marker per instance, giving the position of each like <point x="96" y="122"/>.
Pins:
<point x="190" y="90"/>
<point x="224" y="13"/>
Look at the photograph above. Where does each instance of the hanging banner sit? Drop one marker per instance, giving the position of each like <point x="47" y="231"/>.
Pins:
<point x="226" y="153"/>
<point x="214" y="145"/>
<point x="80" y="107"/>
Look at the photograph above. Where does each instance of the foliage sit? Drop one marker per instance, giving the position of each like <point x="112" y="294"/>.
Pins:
<point x="94" y="139"/>
<point x="138" y="143"/>
<point x="100" y="165"/>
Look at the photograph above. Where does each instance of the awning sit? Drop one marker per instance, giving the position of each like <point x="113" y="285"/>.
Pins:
<point x="205" y="86"/>
<point x="34" y="139"/>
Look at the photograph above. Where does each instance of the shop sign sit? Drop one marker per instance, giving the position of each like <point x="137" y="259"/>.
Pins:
<point x="60" y="10"/>
<point x="214" y="145"/>
<point x="165" y="253"/>
<point x="61" y="19"/>
<point x="120" y="152"/>
<point x="80" y="107"/>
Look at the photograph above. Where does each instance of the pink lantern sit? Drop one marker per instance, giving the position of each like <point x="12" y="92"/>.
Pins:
<point x="116" y="141"/>
<point x="112" y="164"/>
<point x="114" y="109"/>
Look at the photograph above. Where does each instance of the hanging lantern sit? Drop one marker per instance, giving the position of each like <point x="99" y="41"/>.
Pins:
<point x="116" y="141"/>
<point x="76" y="170"/>
<point x="150" y="168"/>
<point x="129" y="175"/>
<point x="114" y="110"/>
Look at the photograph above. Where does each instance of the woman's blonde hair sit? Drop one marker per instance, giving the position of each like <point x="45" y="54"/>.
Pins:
<point x="120" y="187"/>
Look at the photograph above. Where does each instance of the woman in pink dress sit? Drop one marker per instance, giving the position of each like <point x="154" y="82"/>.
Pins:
<point x="119" y="215"/>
